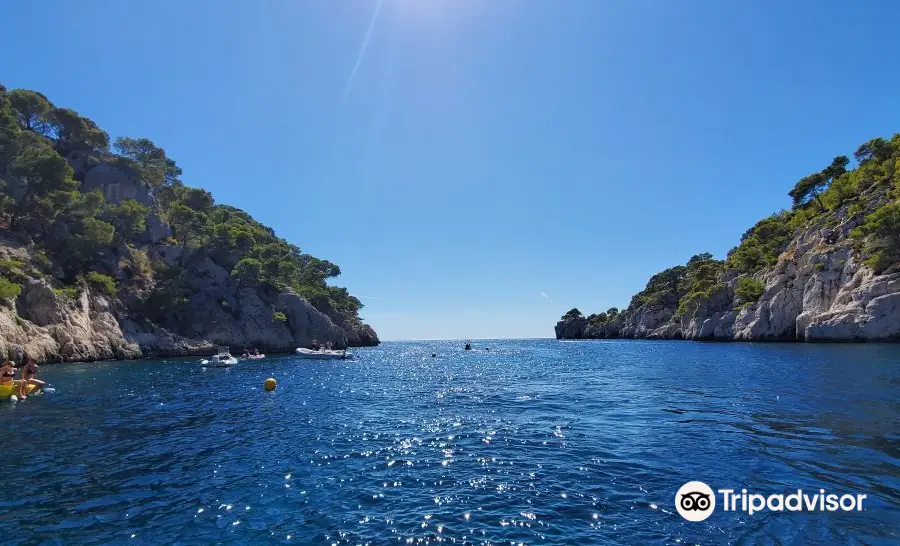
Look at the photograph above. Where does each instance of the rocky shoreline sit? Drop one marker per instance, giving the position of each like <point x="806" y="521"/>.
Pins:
<point x="87" y="324"/>
<point x="816" y="292"/>
<point x="842" y="301"/>
<point x="94" y="326"/>
<point x="826" y="271"/>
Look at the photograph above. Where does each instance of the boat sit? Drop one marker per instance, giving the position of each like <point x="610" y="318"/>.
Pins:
<point x="222" y="359"/>
<point x="323" y="354"/>
<point x="253" y="357"/>
<point x="9" y="390"/>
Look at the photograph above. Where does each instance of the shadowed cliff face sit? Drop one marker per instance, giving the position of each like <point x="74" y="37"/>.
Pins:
<point x="828" y="270"/>
<point x="92" y="325"/>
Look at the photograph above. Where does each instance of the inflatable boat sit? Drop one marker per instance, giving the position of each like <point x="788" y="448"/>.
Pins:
<point x="8" y="390"/>
<point x="323" y="354"/>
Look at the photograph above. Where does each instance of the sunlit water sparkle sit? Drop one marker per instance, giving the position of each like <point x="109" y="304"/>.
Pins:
<point x="534" y="441"/>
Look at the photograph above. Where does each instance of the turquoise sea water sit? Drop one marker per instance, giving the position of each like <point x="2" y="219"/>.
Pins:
<point x="534" y="441"/>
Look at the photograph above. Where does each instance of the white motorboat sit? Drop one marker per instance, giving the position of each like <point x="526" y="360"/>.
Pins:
<point x="323" y="354"/>
<point x="222" y="359"/>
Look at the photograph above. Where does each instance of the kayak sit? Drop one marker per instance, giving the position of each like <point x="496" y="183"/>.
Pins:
<point x="253" y="357"/>
<point x="8" y="390"/>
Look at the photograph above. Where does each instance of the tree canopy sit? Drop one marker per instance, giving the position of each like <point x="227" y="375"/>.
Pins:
<point x="73" y="129"/>
<point x="32" y="110"/>
<point x="40" y="200"/>
<point x="810" y="187"/>
<point x="154" y="166"/>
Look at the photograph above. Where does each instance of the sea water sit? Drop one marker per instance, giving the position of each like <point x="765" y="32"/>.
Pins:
<point x="532" y="441"/>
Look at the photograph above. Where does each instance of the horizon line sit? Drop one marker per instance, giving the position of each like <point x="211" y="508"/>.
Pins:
<point x="469" y="338"/>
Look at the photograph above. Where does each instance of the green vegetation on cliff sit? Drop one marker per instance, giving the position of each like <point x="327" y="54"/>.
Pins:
<point x="681" y="286"/>
<point x="761" y="245"/>
<point x="700" y="280"/>
<point x="75" y="231"/>
<point x="865" y="198"/>
<point x="599" y="319"/>
<point x="748" y="290"/>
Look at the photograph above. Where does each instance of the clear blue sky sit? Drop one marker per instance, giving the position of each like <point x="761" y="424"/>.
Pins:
<point x="474" y="155"/>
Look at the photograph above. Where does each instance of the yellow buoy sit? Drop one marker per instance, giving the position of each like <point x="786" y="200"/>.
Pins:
<point x="270" y="384"/>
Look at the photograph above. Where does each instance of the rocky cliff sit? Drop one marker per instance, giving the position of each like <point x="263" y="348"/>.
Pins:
<point x="109" y="255"/>
<point x="95" y="326"/>
<point x="827" y="270"/>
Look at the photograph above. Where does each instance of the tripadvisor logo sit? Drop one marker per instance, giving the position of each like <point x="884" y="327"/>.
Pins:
<point x="695" y="501"/>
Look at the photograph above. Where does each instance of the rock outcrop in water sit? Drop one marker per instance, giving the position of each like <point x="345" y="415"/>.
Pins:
<point x="827" y="270"/>
<point x="109" y="255"/>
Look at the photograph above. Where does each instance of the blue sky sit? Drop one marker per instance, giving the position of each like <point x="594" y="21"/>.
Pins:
<point x="477" y="168"/>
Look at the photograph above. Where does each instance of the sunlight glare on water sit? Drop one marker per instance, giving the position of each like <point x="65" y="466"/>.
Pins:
<point x="534" y="441"/>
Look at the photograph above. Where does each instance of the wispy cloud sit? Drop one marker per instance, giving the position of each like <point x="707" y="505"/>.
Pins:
<point x="545" y="296"/>
<point x="362" y="49"/>
<point x="367" y="297"/>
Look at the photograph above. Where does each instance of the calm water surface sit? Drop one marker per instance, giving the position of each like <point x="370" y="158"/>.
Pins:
<point x="531" y="442"/>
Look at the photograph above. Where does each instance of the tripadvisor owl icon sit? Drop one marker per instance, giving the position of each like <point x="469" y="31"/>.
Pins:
<point x="695" y="501"/>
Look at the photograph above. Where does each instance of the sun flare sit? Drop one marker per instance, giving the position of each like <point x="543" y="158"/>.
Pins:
<point x="437" y="10"/>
